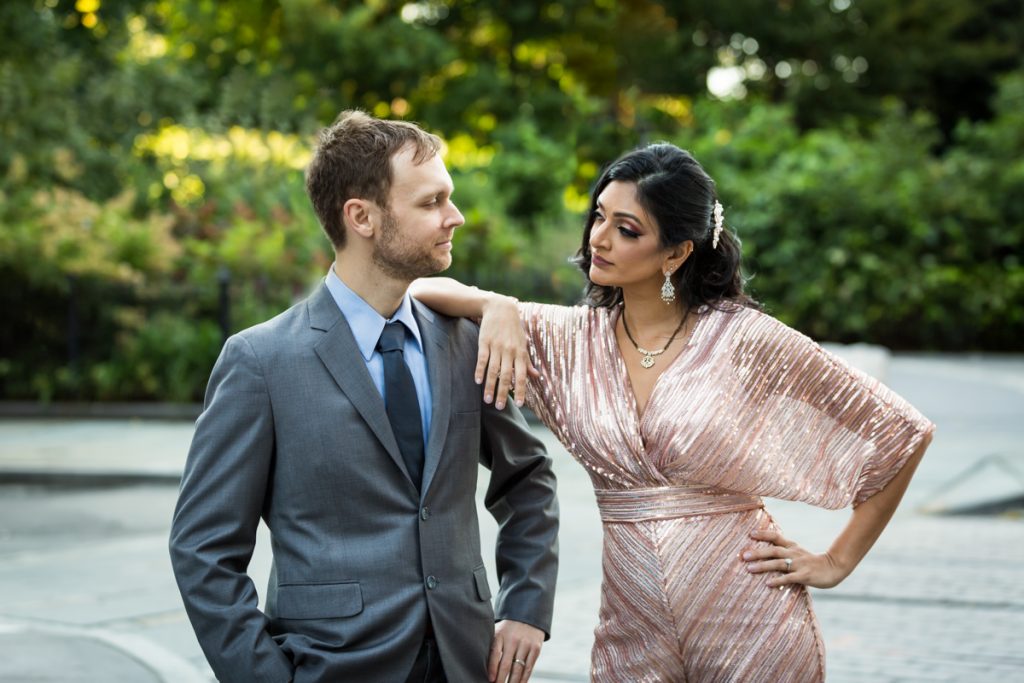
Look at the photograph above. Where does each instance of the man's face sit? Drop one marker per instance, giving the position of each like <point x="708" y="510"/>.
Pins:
<point x="415" y="238"/>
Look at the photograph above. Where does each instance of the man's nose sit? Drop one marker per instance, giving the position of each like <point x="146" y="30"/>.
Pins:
<point x="456" y="218"/>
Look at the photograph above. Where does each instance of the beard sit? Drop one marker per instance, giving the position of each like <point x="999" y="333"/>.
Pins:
<point x="402" y="259"/>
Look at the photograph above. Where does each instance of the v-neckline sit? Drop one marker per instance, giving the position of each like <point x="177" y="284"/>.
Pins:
<point x="627" y="382"/>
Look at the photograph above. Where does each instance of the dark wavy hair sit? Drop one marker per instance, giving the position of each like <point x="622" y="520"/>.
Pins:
<point x="679" y="194"/>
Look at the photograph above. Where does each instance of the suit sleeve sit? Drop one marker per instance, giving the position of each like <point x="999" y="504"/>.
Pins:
<point x="214" y="528"/>
<point x="521" y="497"/>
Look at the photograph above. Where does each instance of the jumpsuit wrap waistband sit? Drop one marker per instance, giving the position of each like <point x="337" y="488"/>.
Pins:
<point x="670" y="502"/>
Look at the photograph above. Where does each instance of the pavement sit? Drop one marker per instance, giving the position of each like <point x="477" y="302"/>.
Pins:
<point x="87" y="594"/>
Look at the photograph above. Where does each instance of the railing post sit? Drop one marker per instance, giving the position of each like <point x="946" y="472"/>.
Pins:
<point x="74" y="329"/>
<point x="224" y="307"/>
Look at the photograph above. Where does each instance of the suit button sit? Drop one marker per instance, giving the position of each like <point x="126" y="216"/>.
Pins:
<point x="425" y="513"/>
<point x="431" y="582"/>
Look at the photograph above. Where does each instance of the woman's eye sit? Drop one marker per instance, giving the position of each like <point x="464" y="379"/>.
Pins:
<point x="598" y="217"/>
<point x="628" y="233"/>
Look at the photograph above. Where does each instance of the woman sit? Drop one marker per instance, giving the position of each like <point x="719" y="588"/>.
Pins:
<point x="686" y="404"/>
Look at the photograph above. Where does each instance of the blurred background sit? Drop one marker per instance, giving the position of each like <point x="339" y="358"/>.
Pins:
<point x="869" y="153"/>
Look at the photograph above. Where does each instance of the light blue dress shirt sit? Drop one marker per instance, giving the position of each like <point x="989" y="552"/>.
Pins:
<point x="367" y="324"/>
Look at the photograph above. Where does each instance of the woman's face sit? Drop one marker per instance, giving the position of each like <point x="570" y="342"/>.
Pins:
<point x="625" y="247"/>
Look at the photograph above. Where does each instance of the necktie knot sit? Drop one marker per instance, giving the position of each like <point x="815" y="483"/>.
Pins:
<point x="392" y="338"/>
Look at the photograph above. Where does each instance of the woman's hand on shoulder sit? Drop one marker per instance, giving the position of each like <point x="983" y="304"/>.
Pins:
<point x="785" y="562"/>
<point x="503" y="359"/>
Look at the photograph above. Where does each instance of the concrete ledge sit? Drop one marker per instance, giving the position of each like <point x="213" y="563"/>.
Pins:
<point x="1011" y="508"/>
<point x="992" y="485"/>
<point x="868" y="358"/>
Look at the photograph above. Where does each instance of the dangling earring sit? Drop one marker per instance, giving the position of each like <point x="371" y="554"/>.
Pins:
<point x="668" y="292"/>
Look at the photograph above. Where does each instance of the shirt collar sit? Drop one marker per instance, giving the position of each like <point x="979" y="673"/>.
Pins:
<point x="365" y="322"/>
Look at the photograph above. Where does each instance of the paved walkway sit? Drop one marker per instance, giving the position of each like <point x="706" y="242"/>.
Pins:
<point x="88" y="594"/>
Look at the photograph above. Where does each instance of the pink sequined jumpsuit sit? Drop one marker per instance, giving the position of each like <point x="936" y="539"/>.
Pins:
<point x="749" y="408"/>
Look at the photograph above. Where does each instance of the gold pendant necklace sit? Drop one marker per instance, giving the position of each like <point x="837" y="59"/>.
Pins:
<point x="648" y="356"/>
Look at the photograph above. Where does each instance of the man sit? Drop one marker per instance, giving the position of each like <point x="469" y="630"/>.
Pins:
<point x="353" y="425"/>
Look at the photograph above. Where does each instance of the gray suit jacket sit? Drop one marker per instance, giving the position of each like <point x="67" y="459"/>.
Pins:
<point x="294" y="431"/>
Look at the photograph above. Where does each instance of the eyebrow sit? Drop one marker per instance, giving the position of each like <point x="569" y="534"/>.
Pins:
<point x="622" y="214"/>
<point x="434" y="192"/>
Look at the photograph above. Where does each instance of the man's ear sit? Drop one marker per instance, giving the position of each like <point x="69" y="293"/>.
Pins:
<point x="677" y="257"/>
<point x="359" y="216"/>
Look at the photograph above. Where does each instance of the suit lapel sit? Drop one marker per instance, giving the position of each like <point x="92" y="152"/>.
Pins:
<point x="339" y="353"/>
<point x="439" y="366"/>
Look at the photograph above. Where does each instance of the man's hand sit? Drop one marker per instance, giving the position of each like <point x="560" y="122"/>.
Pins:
<point x="514" y="652"/>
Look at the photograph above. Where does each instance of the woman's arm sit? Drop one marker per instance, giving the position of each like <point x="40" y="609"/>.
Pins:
<point x="503" y="360"/>
<point x="453" y="298"/>
<point x="866" y="524"/>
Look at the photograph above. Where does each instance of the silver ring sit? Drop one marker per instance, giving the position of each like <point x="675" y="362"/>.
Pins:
<point x="789" y="564"/>
<point x="520" y="662"/>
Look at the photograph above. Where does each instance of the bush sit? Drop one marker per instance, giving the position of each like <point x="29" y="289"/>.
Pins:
<point x="855" y="235"/>
<point x="851" y="233"/>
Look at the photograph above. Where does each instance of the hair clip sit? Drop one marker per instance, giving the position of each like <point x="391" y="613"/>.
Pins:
<point x="719" y="222"/>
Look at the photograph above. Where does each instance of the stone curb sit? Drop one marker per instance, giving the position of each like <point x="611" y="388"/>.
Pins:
<point x="120" y="411"/>
<point x="60" y="478"/>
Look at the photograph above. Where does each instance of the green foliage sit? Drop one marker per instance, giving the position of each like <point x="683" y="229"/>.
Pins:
<point x="152" y="148"/>
<point x="526" y="168"/>
<point x="855" y="236"/>
<point x="144" y="287"/>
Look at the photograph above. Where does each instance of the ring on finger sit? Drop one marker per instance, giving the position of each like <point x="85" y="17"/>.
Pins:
<point x="520" y="662"/>
<point x="789" y="564"/>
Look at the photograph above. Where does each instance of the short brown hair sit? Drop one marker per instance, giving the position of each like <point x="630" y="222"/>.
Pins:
<point x="353" y="159"/>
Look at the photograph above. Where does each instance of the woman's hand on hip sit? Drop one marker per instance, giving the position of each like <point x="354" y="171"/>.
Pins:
<point x="785" y="562"/>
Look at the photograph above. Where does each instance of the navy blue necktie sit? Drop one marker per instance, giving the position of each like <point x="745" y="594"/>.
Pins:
<point x="400" y="400"/>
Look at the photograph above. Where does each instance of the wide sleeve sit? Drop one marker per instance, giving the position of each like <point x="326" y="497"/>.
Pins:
<point x="827" y="433"/>
<point x="553" y="333"/>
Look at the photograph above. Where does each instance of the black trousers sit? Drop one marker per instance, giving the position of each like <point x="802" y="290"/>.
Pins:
<point x="427" y="667"/>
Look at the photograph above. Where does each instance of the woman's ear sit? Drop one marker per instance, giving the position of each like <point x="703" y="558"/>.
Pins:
<point x="358" y="216"/>
<point x="677" y="257"/>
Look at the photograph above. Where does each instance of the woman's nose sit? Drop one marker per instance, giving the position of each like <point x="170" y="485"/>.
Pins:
<point x="598" y="235"/>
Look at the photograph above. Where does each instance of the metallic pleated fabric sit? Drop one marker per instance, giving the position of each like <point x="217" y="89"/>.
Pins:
<point x="749" y="408"/>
